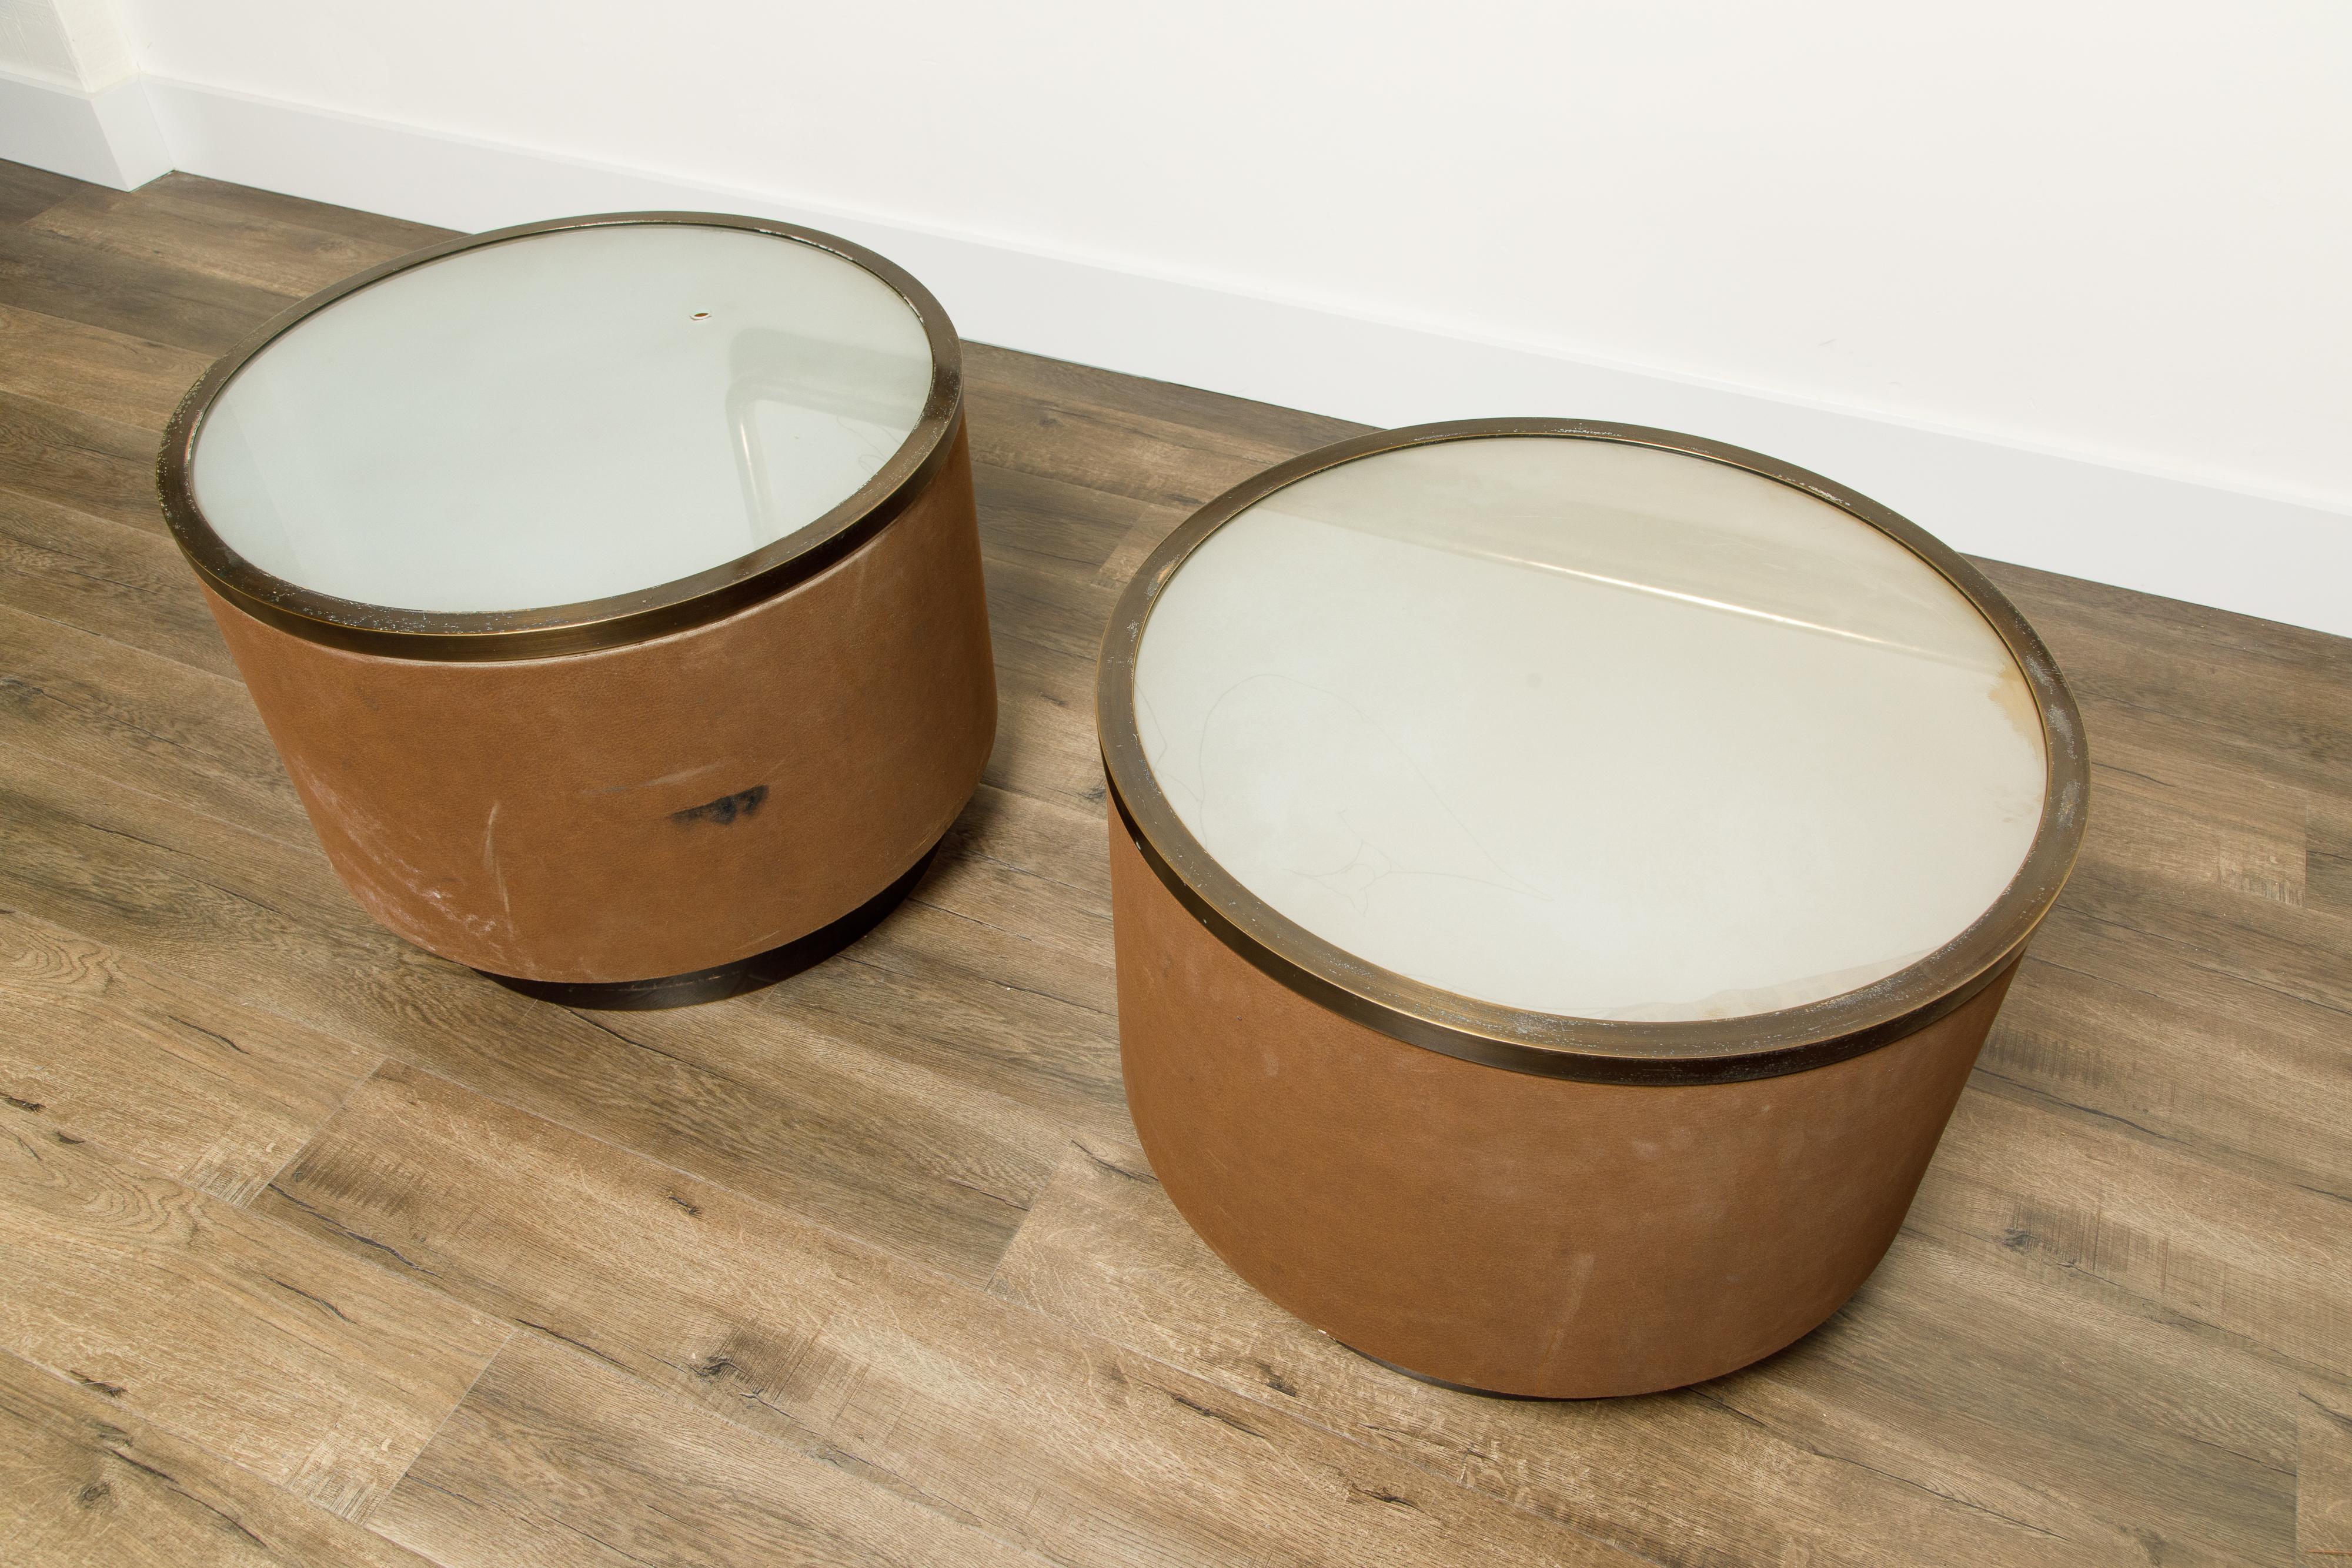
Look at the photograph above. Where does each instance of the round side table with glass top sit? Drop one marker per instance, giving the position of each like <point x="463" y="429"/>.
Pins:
<point x="611" y="588"/>
<point x="1562" y="876"/>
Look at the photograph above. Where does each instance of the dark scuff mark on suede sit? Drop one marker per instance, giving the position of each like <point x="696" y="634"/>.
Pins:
<point x="724" y="809"/>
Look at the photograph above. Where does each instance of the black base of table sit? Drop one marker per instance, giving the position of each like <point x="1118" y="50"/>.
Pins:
<point x="724" y="981"/>
<point x="1439" y="1381"/>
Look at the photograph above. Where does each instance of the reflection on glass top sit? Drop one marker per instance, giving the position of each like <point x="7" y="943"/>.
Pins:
<point x="1590" y="729"/>
<point x="563" y="417"/>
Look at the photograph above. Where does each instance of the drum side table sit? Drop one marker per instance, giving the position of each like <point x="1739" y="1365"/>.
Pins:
<point x="612" y="591"/>
<point x="1563" y="874"/>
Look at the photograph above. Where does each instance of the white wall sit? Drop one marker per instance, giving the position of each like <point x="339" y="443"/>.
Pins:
<point x="2120" y="230"/>
<point x="2064" y="281"/>
<point x="71" y="98"/>
<point x="76" y="44"/>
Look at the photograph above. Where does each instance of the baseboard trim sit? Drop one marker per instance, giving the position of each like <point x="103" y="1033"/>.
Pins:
<point x="109" y="137"/>
<point x="2258" y="554"/>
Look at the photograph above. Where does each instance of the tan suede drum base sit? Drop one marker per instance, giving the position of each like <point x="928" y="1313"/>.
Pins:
<point x="1502" y="1231"/>
<point x="664" y="806"/>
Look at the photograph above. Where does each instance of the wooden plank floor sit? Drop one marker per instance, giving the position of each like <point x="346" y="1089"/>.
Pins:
<point x="317" y="1250"/>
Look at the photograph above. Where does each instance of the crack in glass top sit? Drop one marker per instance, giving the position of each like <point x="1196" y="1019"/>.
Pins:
<point x="562" y="417"/>
<point x="1591" y="729"/>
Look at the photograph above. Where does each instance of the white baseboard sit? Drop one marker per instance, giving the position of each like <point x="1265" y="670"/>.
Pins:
<point x="109" y="137"/>
<point x="2258" y="554"/>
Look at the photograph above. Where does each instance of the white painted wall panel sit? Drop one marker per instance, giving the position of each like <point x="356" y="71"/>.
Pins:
<point x="76" y="44"/>
<point x="2117" y="231"/>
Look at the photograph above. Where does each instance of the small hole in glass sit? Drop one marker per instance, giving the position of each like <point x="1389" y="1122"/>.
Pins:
<point x="702" y="315"/>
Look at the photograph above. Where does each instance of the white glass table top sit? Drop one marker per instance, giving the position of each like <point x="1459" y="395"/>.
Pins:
<point x="1588" y="728"/>
<point x="562" y="417"/>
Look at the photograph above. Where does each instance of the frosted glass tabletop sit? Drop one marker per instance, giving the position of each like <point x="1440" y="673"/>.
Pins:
<point x="1589" y="728"/>
<point x="564" y="416"/>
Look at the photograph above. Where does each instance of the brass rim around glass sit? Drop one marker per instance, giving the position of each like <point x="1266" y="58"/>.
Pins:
<point x="633" y="617"/>
<point x="1695" y="1051"/>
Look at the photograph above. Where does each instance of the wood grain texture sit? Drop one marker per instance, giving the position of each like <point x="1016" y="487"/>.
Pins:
<point x="149" y="297"/>
<point x="27" y="191"/>
<point x="864" y="1267"/>
<point x="84" y="461"/>
<point x="277" y="1353"/>
<point x="910" y="1151"/>
<point x="148" y="722"/>
<point x="1044" y="1435"/>
<point x="210" y="1092"/>
<point x="90" y="371"/>
<point x="83" y="1482"/>
<point x="178" y="221"/>
<point x="122" y="582"/>
<point x="2323" y="1518"/>
<point x="558" y="1459"/>
<point x="2327" y="857"/>
<point x="227" y="205"/>
<point x="1896" y="1433"/>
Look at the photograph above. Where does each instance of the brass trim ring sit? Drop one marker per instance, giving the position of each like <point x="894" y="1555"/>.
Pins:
<point x="1675" y="1051"/>
<point x="535" y="633"/>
